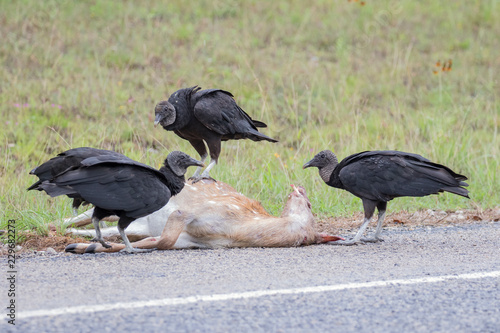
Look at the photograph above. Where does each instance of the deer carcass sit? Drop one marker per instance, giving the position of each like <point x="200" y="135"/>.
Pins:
<point x="209" y="214"/>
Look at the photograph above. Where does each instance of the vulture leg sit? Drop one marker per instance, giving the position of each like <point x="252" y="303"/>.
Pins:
<point x="196" y="174"/>
<point x="98" y="235"/>
<point x="206" y="173"/>
<point x="128" y="247"/>
<point x="214" y="145"/>
<point x="200" y="148"/>
<point x="381" y="216"/>
<point x="76" y="203"/>
<point x="369" y="207"/>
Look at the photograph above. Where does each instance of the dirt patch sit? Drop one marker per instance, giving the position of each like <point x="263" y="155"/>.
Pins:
<point x="41" y="243"/>
<point x="334" y="225"/>
<point x="422" y="218"/>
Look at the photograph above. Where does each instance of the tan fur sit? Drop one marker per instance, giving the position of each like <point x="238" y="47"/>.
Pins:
<point x="213" y="214"/>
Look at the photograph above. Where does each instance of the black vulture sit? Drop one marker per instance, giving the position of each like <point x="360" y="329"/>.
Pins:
<point x="121" y="186"/>
<point x="380" y="176"/>
<point x="62" y="162"/>
<point x="210" y="115"/>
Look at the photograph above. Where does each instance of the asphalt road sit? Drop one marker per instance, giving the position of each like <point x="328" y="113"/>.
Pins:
<point x="316" y="288"/>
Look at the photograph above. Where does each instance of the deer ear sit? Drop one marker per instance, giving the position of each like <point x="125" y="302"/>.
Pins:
<point x="324" y="238"/>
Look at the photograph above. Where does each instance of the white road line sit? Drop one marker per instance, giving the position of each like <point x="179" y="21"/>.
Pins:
<point x="249" y="294"/>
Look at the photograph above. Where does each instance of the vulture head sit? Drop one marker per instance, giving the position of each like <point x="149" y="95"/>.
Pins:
<point x="321" y="160"/>
<point x="179" y="162"/>
<point x="164" y="114"/>
<point x="325" y="161"/>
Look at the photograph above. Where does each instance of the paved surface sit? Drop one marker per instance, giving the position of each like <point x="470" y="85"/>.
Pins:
<point x="97" y="282"/>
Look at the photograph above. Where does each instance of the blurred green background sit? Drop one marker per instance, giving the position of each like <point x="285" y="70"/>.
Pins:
<point x="343" y="75"/>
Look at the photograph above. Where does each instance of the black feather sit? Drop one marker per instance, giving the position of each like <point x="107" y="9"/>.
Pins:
<point x="384" y="175"/>
<point x="118" y="185"/>
<point x="69" y="159"/>
<point x="210" y="116"/>
<point x="380" y="176"/>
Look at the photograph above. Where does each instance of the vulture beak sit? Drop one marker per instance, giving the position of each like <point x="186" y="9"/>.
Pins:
<point x="195" y="162"/>
<point x="158" y="118"/>
<point x="308" y="164"/>
<point x="199" y="163"/>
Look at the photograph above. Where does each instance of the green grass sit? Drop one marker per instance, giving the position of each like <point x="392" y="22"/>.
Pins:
<point x="321" y="74"/>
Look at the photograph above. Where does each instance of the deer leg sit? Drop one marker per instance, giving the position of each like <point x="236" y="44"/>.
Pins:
<point x="80" y="220"/>
<point x="173" y="228"/>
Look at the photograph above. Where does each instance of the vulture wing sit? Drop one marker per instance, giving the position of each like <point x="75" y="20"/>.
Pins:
<point x="65" y="160"/>
<point x="137" y="191"/>
<point x="218" y="111"/>
<point x="118" y="160"/>
<point x="384" y="175"/>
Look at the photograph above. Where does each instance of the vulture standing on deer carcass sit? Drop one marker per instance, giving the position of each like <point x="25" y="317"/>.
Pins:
<point x="210" y="116"/>
<point x="380" y="176"/>
<point x="64" y="161"/>
<point x="118" y="185"/>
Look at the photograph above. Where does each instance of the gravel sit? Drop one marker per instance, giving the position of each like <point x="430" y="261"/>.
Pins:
<point x="67" y="280"/>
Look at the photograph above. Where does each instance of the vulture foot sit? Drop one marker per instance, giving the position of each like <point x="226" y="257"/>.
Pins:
<point x="372" y="240"/>
<point x="347" y="243"/>
<point x="106" y="245"/>
<point x="197" y="179"/>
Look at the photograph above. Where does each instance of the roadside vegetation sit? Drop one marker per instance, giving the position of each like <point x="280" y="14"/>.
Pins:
<point x="416" y="76"/>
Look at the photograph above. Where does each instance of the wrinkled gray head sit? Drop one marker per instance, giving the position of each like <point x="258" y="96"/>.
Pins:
<point x="179" y="162"/>
<point x="322" y="159"/>
<point x="325" y="161"/>
<point x="164" y="114"/>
